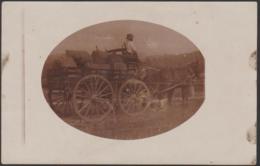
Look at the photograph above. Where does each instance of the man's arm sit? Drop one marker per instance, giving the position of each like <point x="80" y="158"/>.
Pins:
<point x="116" y="50"/>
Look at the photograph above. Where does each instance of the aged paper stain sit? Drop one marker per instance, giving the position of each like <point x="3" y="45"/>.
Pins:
<point x="253" y="60"/>
<point x="5" y="60"/>
<point x="251" y="134"/>
<point x="253" y="162"/>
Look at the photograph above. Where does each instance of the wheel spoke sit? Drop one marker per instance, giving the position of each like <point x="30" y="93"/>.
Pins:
<point x="136" y="86"/>
<point x="95" y="83"/>
<point x="140" y="88"/>
<point x="100" y="86"/>
<point x="87" y="88"/>
<point x="92" y="85"/>
<point x="91" y="82"/>
<point x="84" y="106"/>
<point x="86" y="113"/>
<point x="60" y="102"/>
<point x="105" y="95"/>
<point x="84" y="88"/>
<point x="142" y="92"/>
<point x="103" y="90"/>
<point x="82" y="96"/>
<point x="57" y="101"/>
<point x="59" y="98"/>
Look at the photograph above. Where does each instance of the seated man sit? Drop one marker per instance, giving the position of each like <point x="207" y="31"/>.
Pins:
<point x="130" y="49"/>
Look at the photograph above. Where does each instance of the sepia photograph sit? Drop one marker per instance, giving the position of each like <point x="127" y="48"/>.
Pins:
<point x="124" y="79"/>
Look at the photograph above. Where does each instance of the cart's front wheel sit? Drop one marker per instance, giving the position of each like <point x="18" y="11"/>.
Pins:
<point x="134" y="97"/>
<point x="92" y="98"/>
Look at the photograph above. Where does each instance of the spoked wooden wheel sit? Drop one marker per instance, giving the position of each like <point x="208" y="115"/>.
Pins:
<point x="134" y="97"/>
<point x="60" y="101"/>
<point x="92" y="98"/>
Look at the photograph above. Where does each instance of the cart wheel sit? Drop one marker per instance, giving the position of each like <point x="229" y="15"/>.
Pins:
<point x="134" y="97"/>
<point x="60" y="101"/>
<point x="92" y="98"/>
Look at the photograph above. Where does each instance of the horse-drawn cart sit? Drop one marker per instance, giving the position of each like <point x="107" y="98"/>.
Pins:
<point x="94" y="90"/>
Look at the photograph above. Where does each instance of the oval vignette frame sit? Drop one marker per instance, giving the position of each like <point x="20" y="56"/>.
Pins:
<point x="104" y="83"/>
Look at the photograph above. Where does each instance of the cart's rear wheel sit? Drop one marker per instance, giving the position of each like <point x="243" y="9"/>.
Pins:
<point x="134" y="97"/>
<point x="92" y="98"/>
<point x="60" y="100"/>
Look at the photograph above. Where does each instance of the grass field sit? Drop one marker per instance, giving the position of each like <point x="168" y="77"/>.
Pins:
<point x="118" y="125"/>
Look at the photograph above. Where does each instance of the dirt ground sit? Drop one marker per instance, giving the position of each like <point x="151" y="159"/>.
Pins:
<point x="152" y="122"/>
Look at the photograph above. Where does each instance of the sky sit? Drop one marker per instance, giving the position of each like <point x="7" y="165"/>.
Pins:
<point x="149" y="38"/>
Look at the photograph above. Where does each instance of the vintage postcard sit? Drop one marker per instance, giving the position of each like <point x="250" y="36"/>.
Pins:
<point x="129" y="82"/>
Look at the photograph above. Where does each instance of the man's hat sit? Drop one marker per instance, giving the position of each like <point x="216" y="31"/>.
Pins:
<point x="129" y="35"/>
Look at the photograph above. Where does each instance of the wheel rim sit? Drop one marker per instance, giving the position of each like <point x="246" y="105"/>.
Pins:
<point x="92" y="98"/>
<point x="134" y="97"/>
